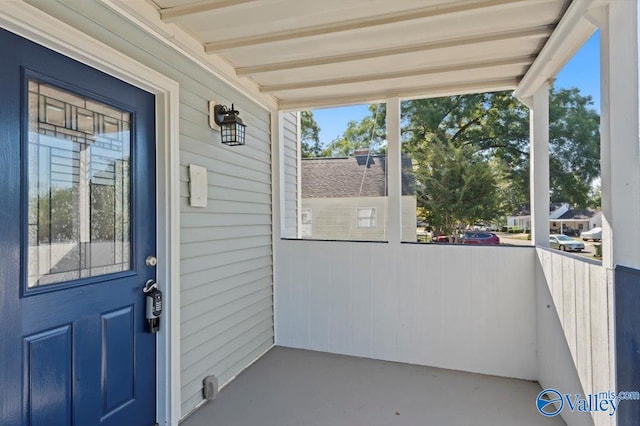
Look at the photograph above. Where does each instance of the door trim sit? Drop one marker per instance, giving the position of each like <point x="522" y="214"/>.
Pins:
<point x="35" y="25"/>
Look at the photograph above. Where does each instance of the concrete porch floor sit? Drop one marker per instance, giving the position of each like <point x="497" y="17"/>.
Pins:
<point x="292" y="387"/>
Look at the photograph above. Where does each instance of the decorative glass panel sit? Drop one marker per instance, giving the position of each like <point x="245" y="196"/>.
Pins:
<point x="79" y="178"/>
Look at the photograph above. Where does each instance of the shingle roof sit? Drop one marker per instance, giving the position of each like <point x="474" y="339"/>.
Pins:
<point x="342" y="177"/>
<point x="526" y="209"/>
<point x="581" y="214"/>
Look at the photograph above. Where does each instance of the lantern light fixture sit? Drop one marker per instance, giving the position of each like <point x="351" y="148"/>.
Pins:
<point x="232" y="130"/>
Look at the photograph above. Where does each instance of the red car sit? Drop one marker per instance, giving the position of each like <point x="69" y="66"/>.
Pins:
<point x="486" y="238"/>
<point x="440" y="239"/>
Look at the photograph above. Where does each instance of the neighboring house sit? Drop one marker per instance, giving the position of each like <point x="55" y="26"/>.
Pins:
<point x="522" y="219"/>
<point x="345" y="198"/>
<point x="577" y="220"/>
<point x="561" y="217"/>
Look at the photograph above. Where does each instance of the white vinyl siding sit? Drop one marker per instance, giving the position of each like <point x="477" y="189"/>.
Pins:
<point x="336" y="218"/>
<point x="290" y="165"/>
<point x="226" y="267"/>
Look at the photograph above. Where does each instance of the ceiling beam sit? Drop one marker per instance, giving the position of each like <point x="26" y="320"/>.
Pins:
<point x="469" y="66"/>
<point x="172" y="14"/>
<point x="537" y="32"/>
<point x="421" y="92"/>
<point x="356" y="24"/>
<point x="572" y="32"/>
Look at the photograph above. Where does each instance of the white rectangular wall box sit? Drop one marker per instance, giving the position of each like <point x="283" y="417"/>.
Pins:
<point x="197" y="186"/>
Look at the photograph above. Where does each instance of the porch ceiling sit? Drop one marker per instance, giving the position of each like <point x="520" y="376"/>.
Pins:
<point x="310" y="53"/>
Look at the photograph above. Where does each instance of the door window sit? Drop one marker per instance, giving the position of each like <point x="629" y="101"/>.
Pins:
<point x="78" y="187"/>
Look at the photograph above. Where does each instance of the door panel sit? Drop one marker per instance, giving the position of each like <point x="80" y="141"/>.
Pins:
<point x="118" y="359"/>
<point x="77" y="219"/>
<point x="49" y="377"/>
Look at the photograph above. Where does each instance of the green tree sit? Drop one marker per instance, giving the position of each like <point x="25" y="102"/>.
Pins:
<point x="370" y="132"/>
<point x="309" y="135"/>
<point x="56" y="218"/>
<point x="595" y="197"/>
<point x="496" y="126"/>
<point x="456" y="185"/>
<point x="574" y="144"/>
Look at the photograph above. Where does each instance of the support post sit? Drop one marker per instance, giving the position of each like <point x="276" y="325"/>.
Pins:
<point x="539" y="164"/>
<point x="394" y="172"/>
<point x="299" y="175"/>
<point x="619" y="133"/>
<point x="620" y="185"/>
<point x="278" y="224"/>
<point x="277" y="205"/>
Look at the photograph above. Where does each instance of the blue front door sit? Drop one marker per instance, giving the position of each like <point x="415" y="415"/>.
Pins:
<point x="77" y="221"/>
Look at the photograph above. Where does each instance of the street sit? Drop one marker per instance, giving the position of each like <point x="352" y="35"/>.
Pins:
<point x="520" y="240"/>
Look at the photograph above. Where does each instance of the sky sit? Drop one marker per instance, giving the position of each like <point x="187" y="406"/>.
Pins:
<point x="582" y="71"/>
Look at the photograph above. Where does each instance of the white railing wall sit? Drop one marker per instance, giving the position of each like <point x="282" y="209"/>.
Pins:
<point x="457" y="307"/>
<point x="581" y="296"/>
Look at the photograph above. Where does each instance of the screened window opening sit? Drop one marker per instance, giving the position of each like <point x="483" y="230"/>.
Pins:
<point x="341" y="175"/>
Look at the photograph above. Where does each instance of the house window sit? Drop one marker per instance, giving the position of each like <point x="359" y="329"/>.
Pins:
<point x="581" y="226"/>
<point x="367" y="217"/>
<point x="307" y="219"/>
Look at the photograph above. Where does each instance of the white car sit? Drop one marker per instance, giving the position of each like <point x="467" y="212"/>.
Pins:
<point x="594" y="234"/>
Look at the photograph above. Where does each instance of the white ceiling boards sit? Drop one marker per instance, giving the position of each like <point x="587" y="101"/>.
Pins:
<point x="309" y="53"/>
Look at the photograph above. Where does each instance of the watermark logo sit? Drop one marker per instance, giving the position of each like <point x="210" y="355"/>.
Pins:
<point x="550" y="402"/>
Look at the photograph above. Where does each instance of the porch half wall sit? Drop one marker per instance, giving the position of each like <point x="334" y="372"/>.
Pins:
<point x="456" y="307"/>
<point x="575" y="329"/>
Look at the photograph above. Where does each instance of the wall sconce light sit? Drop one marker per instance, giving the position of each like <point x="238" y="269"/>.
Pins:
<point x="232" y="131"/>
